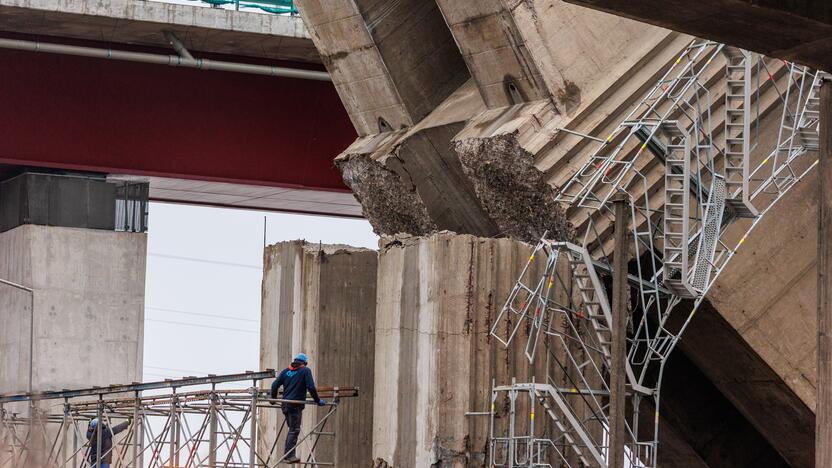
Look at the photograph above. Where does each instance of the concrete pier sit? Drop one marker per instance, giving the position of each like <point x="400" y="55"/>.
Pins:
<point x="87" y="325"/>
<point x="320" y="299"/>
<point x="435" y="359"/>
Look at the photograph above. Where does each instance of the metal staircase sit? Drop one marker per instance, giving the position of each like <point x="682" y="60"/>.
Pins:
<point x="677" y="210"/>
<point x="682" y="235"/>
<point x="738" y="79"/>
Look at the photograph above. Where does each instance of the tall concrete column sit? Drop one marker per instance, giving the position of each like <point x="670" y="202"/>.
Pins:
<point x="823" y="410"/>
<point x="83" y="322"/>
<point x="320" y="299"/>
<point x="435" y="358"/>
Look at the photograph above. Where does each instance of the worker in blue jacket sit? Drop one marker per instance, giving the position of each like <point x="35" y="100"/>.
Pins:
<point x="296" y="380"/>
<point x="106" y="442"/>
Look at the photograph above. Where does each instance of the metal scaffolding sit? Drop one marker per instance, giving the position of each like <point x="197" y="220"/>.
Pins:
<point x="190" y="422"/>
<point x="689" y="159"/>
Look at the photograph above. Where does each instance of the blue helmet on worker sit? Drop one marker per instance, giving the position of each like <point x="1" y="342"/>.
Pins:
<point x="302" y="358"/>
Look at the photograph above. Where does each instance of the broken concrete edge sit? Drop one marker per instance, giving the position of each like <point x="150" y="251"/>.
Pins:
<point x="512" y="190"/>
<point x="314" y="247"/>
<point x="402" y="240"/>
<point x="389" y="203"/>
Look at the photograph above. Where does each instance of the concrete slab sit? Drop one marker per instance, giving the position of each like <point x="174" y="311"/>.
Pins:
<point x="277" y="37"/>
<point x="799" y="31"/>
<point x="254" y="197"/>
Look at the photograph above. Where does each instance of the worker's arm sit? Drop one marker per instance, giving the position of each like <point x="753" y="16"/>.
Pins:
<point x="90" y="432"/>
<point x="276" y="385"/>
<point x="120" y="427"/>
<point x="310" y="386"/>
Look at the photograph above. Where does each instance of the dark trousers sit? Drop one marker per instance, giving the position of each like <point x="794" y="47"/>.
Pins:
<point x="293" y="415"/>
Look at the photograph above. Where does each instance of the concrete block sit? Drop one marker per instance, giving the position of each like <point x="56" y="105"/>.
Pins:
<point x="88" y="322"/>
<point x="320" y="299"/>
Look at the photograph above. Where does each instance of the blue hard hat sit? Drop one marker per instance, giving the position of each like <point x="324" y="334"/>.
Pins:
<point x="94" y="423"/>
<point x="302" y="358"/>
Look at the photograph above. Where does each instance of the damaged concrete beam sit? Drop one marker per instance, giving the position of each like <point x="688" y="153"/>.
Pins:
<point x="511" y="190"/>
<point x="391" y="62"/>
<point x="410" y="181"/>
<point x="320" y="299"/>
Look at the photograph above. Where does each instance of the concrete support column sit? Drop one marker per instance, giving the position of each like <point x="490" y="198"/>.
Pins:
<point x="392" y="62"/>
<point x="435" y="359"/>
<point x="320" y="299"/>
<point x="87" y="324"/>
<point x="823" y="410"/>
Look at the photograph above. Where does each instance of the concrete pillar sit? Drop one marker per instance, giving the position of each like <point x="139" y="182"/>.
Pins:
<point x="392" y="62"/>
<point x="320" y="299"/>
<point x="823" y="410"/>
<point x="87" y="326"/>
<point x="435" y="359"/>
<point x="403" y="82"/>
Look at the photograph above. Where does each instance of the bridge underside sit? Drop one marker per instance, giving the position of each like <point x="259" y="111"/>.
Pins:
<point x="203" y="137"/>
<point x="797" y="31"/>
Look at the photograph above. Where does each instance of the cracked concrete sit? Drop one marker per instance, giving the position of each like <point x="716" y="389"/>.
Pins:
<point x="389" y="202"/>
<point x="513" y="192"/>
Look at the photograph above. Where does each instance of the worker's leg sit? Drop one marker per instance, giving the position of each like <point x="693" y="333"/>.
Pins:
<point x="293" y="416"/>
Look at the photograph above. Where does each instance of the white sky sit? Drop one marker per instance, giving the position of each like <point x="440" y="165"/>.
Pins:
<point x="204" y="268"/>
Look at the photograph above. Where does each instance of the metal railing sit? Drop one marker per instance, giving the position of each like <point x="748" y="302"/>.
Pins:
<point x="277" y="7"/>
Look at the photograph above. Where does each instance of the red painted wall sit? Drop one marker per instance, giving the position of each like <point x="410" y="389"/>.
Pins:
<point x="122" y="117"/>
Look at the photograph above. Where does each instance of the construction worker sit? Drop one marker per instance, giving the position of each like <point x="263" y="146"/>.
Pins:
<point x="106" y="442"/>
<point x="296" y="380"/>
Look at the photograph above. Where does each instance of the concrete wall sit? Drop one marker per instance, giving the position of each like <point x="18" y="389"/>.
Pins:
<point x="435" y="359"/>
<point x="320" y="299"/>
<point x="88" y="307"/>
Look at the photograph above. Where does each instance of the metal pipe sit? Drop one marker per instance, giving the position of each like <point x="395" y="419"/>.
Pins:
<point x="99" y="413"/>
<point x="178" y="46"/>
<point x="159" y="59"/>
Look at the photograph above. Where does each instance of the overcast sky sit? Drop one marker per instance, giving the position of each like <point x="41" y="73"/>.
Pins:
<point x="204" y="268"/>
